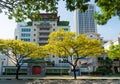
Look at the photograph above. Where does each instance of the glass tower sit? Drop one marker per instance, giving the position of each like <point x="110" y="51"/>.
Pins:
<point x="84" y="21"/>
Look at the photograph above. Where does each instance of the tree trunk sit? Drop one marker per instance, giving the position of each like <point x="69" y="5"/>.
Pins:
<point x="119" y="66"/>
<point x="74" y="70"/>
<point x="74" y="67"/>
<point x="17" y="72"/>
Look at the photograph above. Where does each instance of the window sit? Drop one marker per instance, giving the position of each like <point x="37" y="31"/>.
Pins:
<point x="34" y="40"/>
<point x="53" y="56"/>
<point x="34" y="34"/>
<point x="63" y="61"/>
<point x="65" y="29"/>
<point x="16" y="37"/>
<point x="34" y="29"/>
<point x="53" y="24"/>
<point x="26" y="29"/>
<point x="91" y="35"/>
<point x="53" y="29"/>
<point x="25" y="35"/>
<point x="25" y="39"/>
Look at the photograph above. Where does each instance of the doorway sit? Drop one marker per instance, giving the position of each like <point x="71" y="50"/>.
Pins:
<point x="36" y="70"/>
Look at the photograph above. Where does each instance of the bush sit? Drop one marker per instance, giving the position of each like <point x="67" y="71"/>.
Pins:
<point x="102" y="70"/>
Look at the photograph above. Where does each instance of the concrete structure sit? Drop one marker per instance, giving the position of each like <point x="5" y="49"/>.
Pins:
<point x="84" y="21"/>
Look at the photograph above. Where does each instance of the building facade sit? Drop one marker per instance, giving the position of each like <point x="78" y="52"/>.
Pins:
<point x="84" y="21"/>
<point x="111" y="42"/>
<point x="38" y="31"/>
<point x="3" y="62"/>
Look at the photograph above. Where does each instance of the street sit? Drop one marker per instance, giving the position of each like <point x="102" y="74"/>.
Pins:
<point x="61" y="81"/>
<point x="16" y="81"/>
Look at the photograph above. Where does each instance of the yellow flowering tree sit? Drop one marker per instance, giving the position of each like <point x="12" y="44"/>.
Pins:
<point x="17" y="50"/>
<point x="69" y="44"/>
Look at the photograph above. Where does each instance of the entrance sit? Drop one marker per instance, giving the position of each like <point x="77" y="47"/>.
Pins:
<point x="36" y="70"/>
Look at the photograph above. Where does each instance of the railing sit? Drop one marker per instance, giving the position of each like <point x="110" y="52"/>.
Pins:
<point x="45" y="31"/>
<point x="45" y="36"/>
<point x="43" y="41"/>
<point x="44" y="26"/>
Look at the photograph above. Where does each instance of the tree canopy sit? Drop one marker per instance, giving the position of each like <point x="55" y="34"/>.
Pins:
<point x="68" y="43"/>
<point x="114" y="52"/>
<point x="108" y="9"/>
<point x="73" y="45"/>
<point x="17" y="50"/>
<point x="30" y="9"/>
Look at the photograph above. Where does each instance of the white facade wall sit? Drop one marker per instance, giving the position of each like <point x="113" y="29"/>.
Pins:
<point x="110" y="43"/>
<point x="3" y="62"/>
<point x="35" y="35"/>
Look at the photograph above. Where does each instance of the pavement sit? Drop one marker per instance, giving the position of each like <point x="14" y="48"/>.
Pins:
<point x="25" y="77"/>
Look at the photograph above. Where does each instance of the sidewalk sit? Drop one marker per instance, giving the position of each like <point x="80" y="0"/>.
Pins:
<point x="56" y="77"/>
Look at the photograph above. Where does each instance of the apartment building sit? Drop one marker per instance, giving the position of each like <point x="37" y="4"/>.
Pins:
<point x="38" y="31"/>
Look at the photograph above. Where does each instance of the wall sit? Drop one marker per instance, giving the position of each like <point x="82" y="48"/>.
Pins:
<point x="85" y="81"/>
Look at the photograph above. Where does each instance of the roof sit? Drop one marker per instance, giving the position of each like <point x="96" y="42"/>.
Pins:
<point x="63" y="23"/>
<point x="81" y="58"/>
<point x="14" y="67"/>
<point x="40" y="60"/>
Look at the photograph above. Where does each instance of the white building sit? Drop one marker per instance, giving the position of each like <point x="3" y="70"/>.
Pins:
<point x="84" y="21"/>
<point x="111" y="42"/>
<point x="38" y="31"/>
<point x="3" y="62"/>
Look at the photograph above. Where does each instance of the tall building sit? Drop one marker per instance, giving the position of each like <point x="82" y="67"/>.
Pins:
<point x="38" y="31"/>
<point x="84" y="21"/>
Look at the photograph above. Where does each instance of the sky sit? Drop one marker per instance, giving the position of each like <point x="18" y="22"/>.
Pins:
<point x="109" y="31"/>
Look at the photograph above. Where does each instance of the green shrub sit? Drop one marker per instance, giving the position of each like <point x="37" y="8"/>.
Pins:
<point x="102" y="70"/>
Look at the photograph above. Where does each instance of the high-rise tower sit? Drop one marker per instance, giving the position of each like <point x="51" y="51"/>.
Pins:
<point x="84" y="21"/>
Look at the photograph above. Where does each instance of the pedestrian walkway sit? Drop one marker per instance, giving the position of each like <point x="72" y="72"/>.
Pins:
<point x="55" y="77"/>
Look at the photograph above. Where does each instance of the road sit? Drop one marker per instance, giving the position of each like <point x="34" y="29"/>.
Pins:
<point x="16" y="81"/>
<point x="61" y="81"/>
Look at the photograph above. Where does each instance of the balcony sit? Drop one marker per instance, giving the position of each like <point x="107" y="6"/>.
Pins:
<point x="43" y="36"/>
<point x="44" y="26"/>
<point x="48" y="31"/>
<point x="43" y="41"/>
